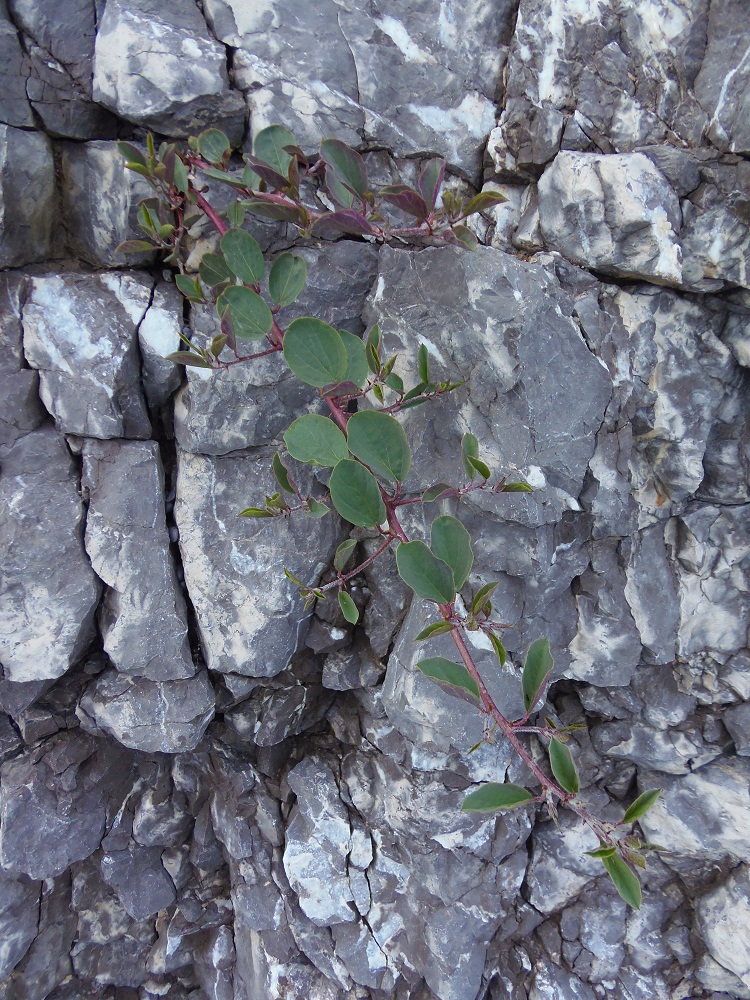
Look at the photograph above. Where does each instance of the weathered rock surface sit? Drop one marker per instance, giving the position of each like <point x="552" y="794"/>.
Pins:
<point x="46" y="605"/>
<point x="28" y="197"/>
<point x="21" y="409"/>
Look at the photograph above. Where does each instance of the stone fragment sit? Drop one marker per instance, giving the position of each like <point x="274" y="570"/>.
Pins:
<point x="715" y="233"/>
<point x="159" y="335"/>
<point x="100" y="201"/>
<point x="252" y="404"/>
<point x="250" y="617"/>
<point x="19" y="918"/>
<point x="46" y="605"/>
<point x="272" y="715"/>
<point x="560" y="869"/>
<point x="28" y="197"/>
<point x="46" y="964"/>
<point x="21" y="409"/>
<point x="723" y="916"/>
<point x="153" y="716"/>
<point x="137" y="875"/>
<point x="651" y="593"/>
<point x="737" y="721"/>
<point x="54" y="803"/>
<point x="143" y="619"/>
<point x="14" y="103"/>
<point x="616" y="214"/>
<point x="723" y="84"/>
<point x="553" y="983"/>
<point x="156" y="64"/>
<point x="80" y="332"/>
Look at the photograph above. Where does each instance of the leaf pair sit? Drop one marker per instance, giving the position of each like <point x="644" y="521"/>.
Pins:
<point x="321" y="356"/>
<point x="436" y="572"/>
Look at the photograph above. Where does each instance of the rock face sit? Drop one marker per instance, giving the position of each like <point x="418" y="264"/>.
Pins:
<point x="210" y="792"/>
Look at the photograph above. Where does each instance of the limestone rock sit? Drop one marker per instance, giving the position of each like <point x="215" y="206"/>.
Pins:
<point x="46" y="605"/>
<point x="159" y="335"/>
<point x="28" y="197"/>
<point x="156" y="64"/>
<point x="87" y="352"/>
<point x="723" y="83"/>
<point x="250" y="617"/>
<point x="19" y="917"/>
<point x="723" y="916"/>
<point x="143" y="618"/>
<point x="138" y="877"/>
<point x="616" y="214"/>
<point x="153" y="716"/>
<point x="14" y="103"/>
<point x="21" y="409"/>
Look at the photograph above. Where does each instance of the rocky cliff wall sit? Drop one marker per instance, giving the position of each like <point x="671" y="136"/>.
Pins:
<point x="207" y="794"/>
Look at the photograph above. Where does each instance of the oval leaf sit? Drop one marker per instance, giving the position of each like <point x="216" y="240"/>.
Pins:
<point x="484" y="200"/>
<point x="464" y="236"/>
<point x="356" y="359"/>
<point x="436" y="492"/>
<point x="406" y="199"/>
<point x="348" y="608"/>
<point x="251" y="317"/>
<point x="214" y="270"/>
<point x="563" y="768"/>
<point x="315" y="352"/>
<point x="536" y="669"/>
<point x="517" y="488"/>
<point x="344" y="221"/>
<point x="379" y="440"/>
<point x="641" y="805"/>
<point x="315" y="508"/>
<point x="343" y="553"/>
<point x="269" y="147"/>
<point x="481" y="598"/>
<point x="287" y="278"/>
<point x="243" y="255"/>
<point x="212" y="145"/>
<point x="346" y="163"/>
<point x="356" y="495"/>
<point x="315" y="440"/>
<point x="625" y="880"/>
<point x="453" y="677"/>
<point x="281" y="473"/>
<point x="429" y="577"/>
<point x="189" y="359"/>
<point x="494" y="796"/>
<point x="451" y="542"/>
<point x="269" y="210"/>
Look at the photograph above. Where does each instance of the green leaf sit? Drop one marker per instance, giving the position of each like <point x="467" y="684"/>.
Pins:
<point x="602" y="852"/>
<point x="315" y="440"/>
<point x="395" y="382"/>
<point x="437" y="628"/>
<point x="243" y="255"/>
<point x="269" y="147"/>
<point x="340" y="194"/>
<point x="189" y="359"/>
<point x="223" y="177"/>
<point x="625" y="880"/>
<point x="135" y="246"/>
<point x="465" y="236"/>
<point x="469" y="449"/>
<point x="315" y="352"/>
<point x="429" y="577"/>
<point x="251" y="317"/>
<point x="346" y="163"/>
<point x="316" y="508"/>
<point x="482" y="597"/>
<point x="236" y="213"/>
<point x="536" y="669"/>
<point x="453" y="675"/>
<point x="131" y="153"/>
<point x="287" y="278"/>
<point x="430" y="179"/>
<point x="379" y="440"/>
<point x="451" y="542"/>
<point x="435" y="492"/>
<point x="484" y="200"/>
<point x="281" y="473"/>
<point x="481" y="467"/>
<point x="423" y="363"/>
<point x="255" y="512"/>
<point x="343" y="553"/>
<point x="348" y="608"/>
<point x="494" y="796"/>
<point x="563" y="768"/>
<point x="498" y="647"/>
<point x="214" y="270"/>
<point x="356" y="495"/>
<point x="212" y="145"/>
<point x="517" y="488"/>
<point x="356" y="359"/>
<point x="180" y="175"/>
<point x="641" y="805"/>
<point x="269" y="210"/>
<point x="189" y="287"/>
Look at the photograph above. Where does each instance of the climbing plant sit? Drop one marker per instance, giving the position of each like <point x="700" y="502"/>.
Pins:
<point x="358" y="435"/>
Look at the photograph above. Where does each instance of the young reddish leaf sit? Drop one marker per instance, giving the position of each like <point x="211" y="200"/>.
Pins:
<point x="344" y="221"/>
<point x="269" y="210"/>
<point x="275" y="180"/>
<point x="430" y="180"/>
<point x="346" y="163"/>
<point x="493" y="796"/>
<point x="406" y="199"/>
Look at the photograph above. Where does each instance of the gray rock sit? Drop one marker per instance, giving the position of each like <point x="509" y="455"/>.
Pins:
<point x="275" y="714"/>
<point x="715" y="234"/>
<point x="723" y="915"/>
<point x="553" y="983"/>
<point x="723" y="83"/>
<point x="737" y="721"/>
<point x="616" y="214"/>
<point x="46" y="606"/>
<point x="49" y="821"/>
<point x="208" y="418"/>
<point x="250" y="617"/>
<point x="159" y="335"/>
<point x="559" y="869"/>
<point x="137" y="875"/>
<point x="19" y="918"/>
<point x="143" y="619"/>
<point x="161" y="821"/>
<point x="28" y="197"/>
<point x="651" y="593"/>
<point x="14" y="103"/>
<point x="153" y="716"/>
<point x="80" y="332"/>
<point x="21" y="409"/>
<point x="156" y="64"/>
<point x="667" y="751"/>
<point x="100" y="203"/>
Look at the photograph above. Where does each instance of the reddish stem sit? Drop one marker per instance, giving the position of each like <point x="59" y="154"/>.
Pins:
<point x="211" y="213"/>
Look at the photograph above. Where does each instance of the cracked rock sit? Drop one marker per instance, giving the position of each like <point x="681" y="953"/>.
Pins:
<point x="21" y="409"/>
<point x="28" y="197"/>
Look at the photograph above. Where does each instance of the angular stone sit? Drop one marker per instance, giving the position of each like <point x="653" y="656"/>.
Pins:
<point x="737" y="721"/>
<point x="143" y="618"/>
<point x="159" y="335"/>
<point x="80" y="332"/>
<point x="250" y="617"/>
<point x="560" y="869"/>
<point x="668" y="751"/>
<point x="715" y="233"/>
<point x="616" y="214"/>
<point x="651" y="593"/>
<point x="46" y="605"/>
<point x="723" y="917"/>
<point x="100" y="203"/>
<point x="28" y="197"/>
<point x="723" y="85"/>
<point x="153" y="716"/>
<point x="21" y="409"/>
<point x="553" y="983"/>
<point x="49" y="821"/>
<point x="14" y="103"/>
<point x="19" y="918"/>
<point x="208" y="415"/>
<point x="137" y="876"/>
<point x="156" y="64"/>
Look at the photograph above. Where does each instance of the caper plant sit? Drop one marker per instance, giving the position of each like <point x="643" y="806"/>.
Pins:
<point x="359" y="438"/>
